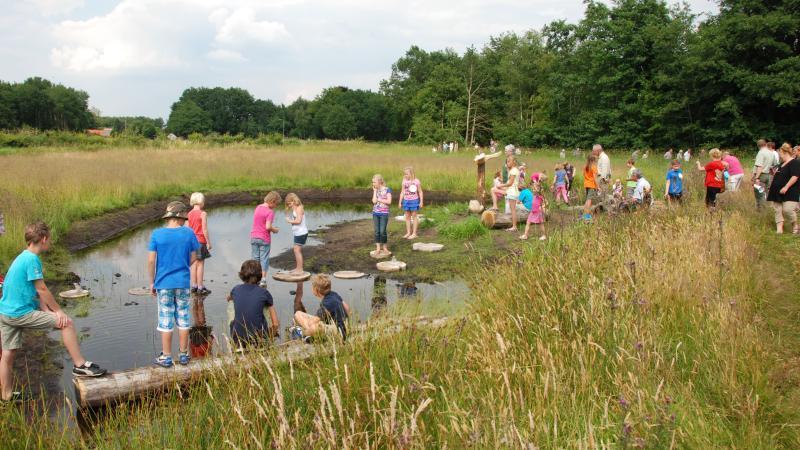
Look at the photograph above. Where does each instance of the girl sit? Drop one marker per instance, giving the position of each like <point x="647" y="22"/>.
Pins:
<point x="381" y="199"/>
<point x="261" y="232"/>
<point x="536" y="215"/>
<point x="512" y="191"/>
<point x="589" y="185"/>
<point x="299" y="230"/>
<point x="561" y="184"/>
<point x="411" y="201"/>
<point x="498" y="191"/>
<point x="198" y="222"/>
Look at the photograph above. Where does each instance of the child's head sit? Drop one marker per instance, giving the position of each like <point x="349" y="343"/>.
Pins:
<point x="38" y="233"/>
<point x="676" y="164"/>
<point x="630" y="162"/>
<point x="511" y="162"/>
<point x="559" y="167"/>
<point x="408" y="173"/>
<point x="250" y="272"/>
<point x="714" y="153"/>
<point x="197" y="198"/>
<point x="377" y="181"/>
<point x="320" y="285"/>
<point x="272" y="199"/>
<point x="617" y="181"/>
<point x="292" y="200"/>
<point x="176" y="213"/>
<point x="497" y="174"/>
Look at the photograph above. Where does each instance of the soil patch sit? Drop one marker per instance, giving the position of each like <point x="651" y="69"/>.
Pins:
<point x="91" y="232"/>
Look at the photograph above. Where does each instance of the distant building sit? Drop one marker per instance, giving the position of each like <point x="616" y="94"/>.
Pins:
<point x="103" y="132"/>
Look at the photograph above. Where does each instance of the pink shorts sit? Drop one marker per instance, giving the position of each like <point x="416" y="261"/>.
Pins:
<point x="536" y="217"/>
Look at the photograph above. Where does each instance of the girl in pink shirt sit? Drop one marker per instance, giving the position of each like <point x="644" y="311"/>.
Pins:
<point x="735" y="171"/>
<point x="260" y="234"/>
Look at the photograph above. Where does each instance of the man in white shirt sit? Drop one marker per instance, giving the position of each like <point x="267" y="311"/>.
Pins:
<point x="603" y="167"/>
<point x="765" y="162"/>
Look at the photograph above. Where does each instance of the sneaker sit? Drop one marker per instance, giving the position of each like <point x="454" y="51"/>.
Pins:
<point x="163" y="360"/>
<point x="308" y="340"/>
<point x="194" y="290"/>
<point x="587" y="217"/>
<point x="263" y="283"/>
<point x="295" y="333"/>
<point x="88" y="369"/>
<point x="543" y="238"/>
<point x="184" y="358"/>
<point x="203" y="290"/>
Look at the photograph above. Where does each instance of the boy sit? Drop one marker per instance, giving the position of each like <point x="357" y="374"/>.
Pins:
<point x="250" y="302"/>
<point x="27" y="304"/>
<point x="198" y="222"/>
<point x="172" y="251"/>
<point x="674" y="189"/>
<point x="261" y="232"/>
<point x="332" y="309"/>
<point x="630" y="184"/>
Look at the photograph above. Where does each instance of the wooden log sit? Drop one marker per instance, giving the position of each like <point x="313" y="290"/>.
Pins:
<point x="130" y="384"/>
<point x="504" y="220"/>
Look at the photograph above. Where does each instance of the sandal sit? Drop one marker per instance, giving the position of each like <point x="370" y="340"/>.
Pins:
<point x="523" y="237"/>
<point x="18" y="397"/>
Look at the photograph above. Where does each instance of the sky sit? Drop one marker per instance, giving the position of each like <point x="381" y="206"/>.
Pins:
<point x="135" y="57"/>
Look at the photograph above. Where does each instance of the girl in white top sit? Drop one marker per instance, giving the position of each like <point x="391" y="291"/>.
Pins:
<point x="299" y="229"/>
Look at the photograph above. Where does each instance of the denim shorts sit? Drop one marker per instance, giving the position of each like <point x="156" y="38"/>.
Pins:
<point x="259" y="250"/>
<point x="173" y="309"/>
<point x="411" y="205"/>
<point x="301" y="240"/>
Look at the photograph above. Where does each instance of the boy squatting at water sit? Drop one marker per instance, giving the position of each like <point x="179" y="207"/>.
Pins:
<point x="332" y="310"/>
<point x="27" y="304"/>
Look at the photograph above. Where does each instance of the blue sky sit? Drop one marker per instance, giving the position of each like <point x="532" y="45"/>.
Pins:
<point x="135" y="57"/>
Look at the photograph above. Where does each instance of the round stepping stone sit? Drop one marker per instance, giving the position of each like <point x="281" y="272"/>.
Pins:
<point x="139" y="291"/>
<point x="391" y="266"/>
<point x="349" y="274"/>
<point x="290" y="277"/>
<point x="427" y="247"/>
<point x="377" y="255"/>
<point x="78" y="292"/>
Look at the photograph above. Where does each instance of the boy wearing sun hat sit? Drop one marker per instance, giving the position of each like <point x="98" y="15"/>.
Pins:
<point x="172" y="251"/>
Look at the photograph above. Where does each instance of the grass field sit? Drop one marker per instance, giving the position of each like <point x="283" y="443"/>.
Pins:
<point x="665" y="329"/>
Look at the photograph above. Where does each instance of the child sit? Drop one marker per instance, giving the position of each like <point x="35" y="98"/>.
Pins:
<point x="381" y="199"/>
<point x="714" y="181"/>
<point x="172" y="251"/>
<point x="536" y="215"/>
<point x="498" y="180"/>
<point x="570" y="169"/>
<point x="561" y="184"/>
<point x="616" y="189"/>
<point x="674" y="189"/>
<point x="332" y="309"/>
<point x="249" y="326"/>
<point x="198" y="222"/>
<point x="260" y="234"/>
<point x="27" y="304"/>
<point x="590" y="185"/>
<point x="630" y="183"/>
<point x="411" y="201"/>
<point x="299" y="230"/>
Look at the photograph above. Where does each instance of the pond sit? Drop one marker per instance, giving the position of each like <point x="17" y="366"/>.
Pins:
<point x="118" y="331"/>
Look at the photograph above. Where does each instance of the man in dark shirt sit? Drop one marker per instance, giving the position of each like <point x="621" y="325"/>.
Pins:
<point x="332" y="310"/>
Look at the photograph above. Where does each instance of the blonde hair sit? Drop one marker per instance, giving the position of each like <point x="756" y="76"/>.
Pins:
<point x="786" y="148"/>
<point x="197" y="198"/>
<point x="715" y="153"/>
<point x="293" y="198"/>
<point x="272" y="197"/>
<point x="379" y="178"/>
<point x="410" y="171"/>
<point x="321" y="283"/>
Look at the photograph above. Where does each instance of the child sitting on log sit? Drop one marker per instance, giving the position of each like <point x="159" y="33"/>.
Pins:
<point x="333" y="310"/>
<point x="250" y="302"/>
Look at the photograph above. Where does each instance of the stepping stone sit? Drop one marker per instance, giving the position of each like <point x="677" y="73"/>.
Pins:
<point x="290" y="277"/>
<point x="78" y="292"/>
<point x="377" y="255"/>
<point x="349" y="274"/>
<point x="427" y="247"/>
<point x="391" y="266"/>
<point x="139" y="291"/>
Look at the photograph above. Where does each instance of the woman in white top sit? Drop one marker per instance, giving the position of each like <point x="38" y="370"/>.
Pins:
<point x="299" y="229"/>
<point x="512" y="190"/>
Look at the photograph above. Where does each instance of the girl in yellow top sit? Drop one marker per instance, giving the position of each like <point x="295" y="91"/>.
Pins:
<point x="512" y="190"/>
<point x="589" y="185"/>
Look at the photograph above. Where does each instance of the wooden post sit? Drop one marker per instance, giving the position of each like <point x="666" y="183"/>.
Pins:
<point x="482" y="182"/>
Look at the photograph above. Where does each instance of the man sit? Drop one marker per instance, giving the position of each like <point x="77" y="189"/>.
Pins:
<point x="765" y="162"/>
<point x="603" y="167"/>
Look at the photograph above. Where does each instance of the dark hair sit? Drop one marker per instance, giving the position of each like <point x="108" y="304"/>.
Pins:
<point x="35" y="232"/>
<point x="590" y="160"/>
<point x="631" y="161"/>
<point x="250" y="272"/>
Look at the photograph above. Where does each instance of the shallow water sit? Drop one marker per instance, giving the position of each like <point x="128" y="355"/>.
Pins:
<point x="119" y="330"/>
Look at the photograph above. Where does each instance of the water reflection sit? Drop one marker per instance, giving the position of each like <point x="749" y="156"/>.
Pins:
<point x="201" y="338"/>
<point x="379" y="293"/>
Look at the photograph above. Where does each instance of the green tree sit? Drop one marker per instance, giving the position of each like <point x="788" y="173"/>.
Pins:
<point x="187" y="117"/>
<point x="337" y="122"/>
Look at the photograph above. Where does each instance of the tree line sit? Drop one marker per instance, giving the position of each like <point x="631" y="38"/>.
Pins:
<point x="636" y="73"/>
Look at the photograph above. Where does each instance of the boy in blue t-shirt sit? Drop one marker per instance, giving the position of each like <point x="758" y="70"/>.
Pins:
<point x="674" y="188"/>
<point x="27" y="304"/>
<point x="332" y="310"/>
<point x="172" y="251"/>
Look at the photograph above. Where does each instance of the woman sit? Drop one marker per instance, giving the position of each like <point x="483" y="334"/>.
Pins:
<point x="715" y="180"/>
<point x="735" y="171"/>
<point x="512" y="190"/>
<point x="784" y="192"/>
<point x="589" y="185"/>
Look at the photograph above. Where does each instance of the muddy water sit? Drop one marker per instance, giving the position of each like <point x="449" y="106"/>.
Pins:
<point x="118" y="330"/>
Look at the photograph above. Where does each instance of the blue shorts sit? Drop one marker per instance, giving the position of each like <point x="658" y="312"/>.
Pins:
<point x="411" y="205"/>
<point x="259" y="250"/>
<point x="301" y="240"/>
<point x="173" y="308"/>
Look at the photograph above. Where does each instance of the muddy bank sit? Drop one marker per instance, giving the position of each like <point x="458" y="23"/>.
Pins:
<point x="87" y="233"/>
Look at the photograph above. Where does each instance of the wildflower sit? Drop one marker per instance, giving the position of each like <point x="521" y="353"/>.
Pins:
<point x="626" y="429"/>
<point x="623" y="402"/>
<point x="639" y="345"/>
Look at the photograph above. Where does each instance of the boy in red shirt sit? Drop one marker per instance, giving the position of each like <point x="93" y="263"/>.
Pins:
<point x="715" y="179"/>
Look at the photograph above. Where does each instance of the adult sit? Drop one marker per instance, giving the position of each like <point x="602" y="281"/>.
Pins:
<point x="776" y="156"/>
<point x="735" y="171"/>
<point x="668" y="154"/>
<point x="762" y="169"/>
<point x="603" y="167"/>
<point x="784" y="192"/>
<point x="715" y="180"/>
<point x="512" y="190"/>
<point x="589" y="185"/>
<point x="688" y="155"/>
<point x="509" y="150"/>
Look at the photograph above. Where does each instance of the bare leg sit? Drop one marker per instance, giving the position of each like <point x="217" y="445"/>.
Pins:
<point x="193" y="274"/>
<point x="70" y="338"/>
<point x="6" y="373"/>
<point x="408" y="225"/>
<point x="541" y="228"/>
<point x="513" y="205"/>
<point x="200" y="268"/>
<point x="310" y="324"/>
<point x="183" y="340"/>
<point x="298" y="257"/>
<point x="527" y="229"/>
<point x="414" y="224"/>
<point x="166" y="342"/>
<point x="587" y="207"/>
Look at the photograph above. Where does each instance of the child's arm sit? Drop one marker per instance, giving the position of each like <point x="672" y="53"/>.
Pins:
<point x="151" y="271"/>
<point x="346" y="308"/>
<point x="421" y="196"/>
<point x="298" y="216"/>
<point x="269" y="227"/>
<point x="374" y="196"/>
<point x="273" y="318"/>
<point x="204" y="218"/>
<point x="400" y="198"/>
<point x="193" y="258"/>
<point x="666" y="189"/>
<point x="49" y="303"/>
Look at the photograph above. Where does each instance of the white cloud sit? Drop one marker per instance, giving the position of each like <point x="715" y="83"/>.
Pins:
<point x="55" y="7"/>
<point x="241" y="27"/>
<point x="223" y="55"/>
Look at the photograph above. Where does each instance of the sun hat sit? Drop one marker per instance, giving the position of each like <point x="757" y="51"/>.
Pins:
<point x="509" y="148"/>
<point x="176" y="210"/>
